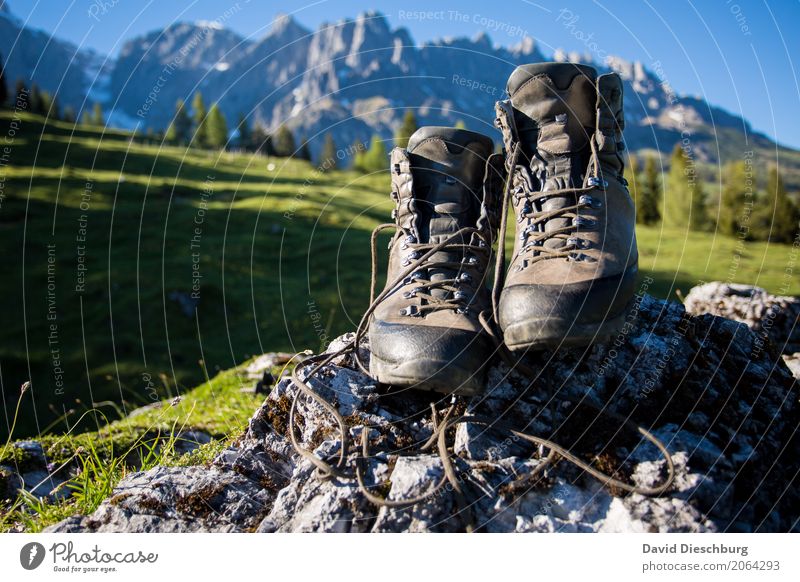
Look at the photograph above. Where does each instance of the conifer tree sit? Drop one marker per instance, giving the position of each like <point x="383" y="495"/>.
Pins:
<point x="199" y="115"/>
<point x="217" y="128"/>
<point x="304" y="153"/>
<point x="283" y="142"/>
<point x="261" y="141"/>
<point x="776" y="217"/>
<point x="22" y="96"/>
<point x="97" y="115"/>
<point x="180" y="129"/>
<point x="35" y="99"/>
<point x="243" y="131"/>
<point x="634" y="179"/>
<point x="732" y="197"/>
<point x="69" y="114"/>
<point x="3" y="86"/>
<point x="45" y="102"/>
<point x="406" y="130"/>
<point x="649" y="203"/>
<point x="328" y="160"/>
<point x="375" y="158"/>
<point x="55" y="108"/>
<point x="684" y="199"/>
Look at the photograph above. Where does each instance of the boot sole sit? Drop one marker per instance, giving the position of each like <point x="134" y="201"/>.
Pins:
<point x="428" y="375"/>
<point x="552" y="333"/>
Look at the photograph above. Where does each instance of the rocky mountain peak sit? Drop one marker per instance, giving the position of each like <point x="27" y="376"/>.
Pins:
<point x="285" y="27"/>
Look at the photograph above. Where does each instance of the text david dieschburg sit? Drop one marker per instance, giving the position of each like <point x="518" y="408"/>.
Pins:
<point x="695" y="549"/>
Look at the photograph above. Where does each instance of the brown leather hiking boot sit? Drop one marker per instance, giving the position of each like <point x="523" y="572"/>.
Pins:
<point x="574" y="267"/>
<point x="424" y="332"/>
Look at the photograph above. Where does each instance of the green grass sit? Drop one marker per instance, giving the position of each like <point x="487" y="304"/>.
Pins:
<point x="221" y="407"/>
<point x="284" y="259"/>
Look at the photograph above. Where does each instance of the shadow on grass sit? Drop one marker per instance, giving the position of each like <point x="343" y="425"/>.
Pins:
<point x="135" y="318"/>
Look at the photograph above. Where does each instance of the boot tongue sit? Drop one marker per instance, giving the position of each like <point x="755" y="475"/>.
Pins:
<point x="448" y="166"/>
<point x="554" y="110"/>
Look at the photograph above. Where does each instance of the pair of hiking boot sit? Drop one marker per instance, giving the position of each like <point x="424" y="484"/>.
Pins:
<point x="574" y="263"/>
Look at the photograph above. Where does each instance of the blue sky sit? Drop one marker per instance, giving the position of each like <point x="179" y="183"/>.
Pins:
<point x="742" y="55"/>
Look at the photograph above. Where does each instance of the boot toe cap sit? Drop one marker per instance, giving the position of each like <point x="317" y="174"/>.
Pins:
<point x="430" y="358"/>
<point x="567" y="314"/>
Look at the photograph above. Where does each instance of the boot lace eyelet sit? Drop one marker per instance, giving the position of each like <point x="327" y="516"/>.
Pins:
<point x="591" y="202"/>
<point x="595" y="182"/>
<point x="411" y="257"/>
<point x="583" y="222"/>
<point x="465" y="277"/>
<point x="575" y="257"/>
<point x="415" y="276"/>
<point x="410" y="311"/>
<point x="462" y="310"/>
<point x="577" y="243"/>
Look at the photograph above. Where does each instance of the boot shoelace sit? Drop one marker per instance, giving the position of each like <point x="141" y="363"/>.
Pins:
<point x="337" y="468"/>
<point x="456" y="297"/>
<point x="534" y="236"/>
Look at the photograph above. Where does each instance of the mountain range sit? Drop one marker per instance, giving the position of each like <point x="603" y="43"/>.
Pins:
<point x="354" y="78"/>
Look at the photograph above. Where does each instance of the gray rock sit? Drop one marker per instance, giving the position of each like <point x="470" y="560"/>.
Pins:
<point x="793" y="362"/>
<point x="172" y="499"/>
<point x="727" y="412"/>
<point x="774" y="317"/>
<point x="33" y="474"/>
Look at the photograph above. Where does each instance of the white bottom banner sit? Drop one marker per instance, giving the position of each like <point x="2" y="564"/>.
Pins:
<point x="388" y="557"/>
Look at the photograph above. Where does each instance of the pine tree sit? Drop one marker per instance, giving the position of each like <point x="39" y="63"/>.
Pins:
<point x="22" y="99"/>
<point x="217" y="128"/>
<point x="634" y="179"/>
<point x="55" y="109"/>
<point x="648" y="211"/>
<point x="304" y="153"/>
<point x="358" y="156"/>
<point x="406" y="130"/>
<point x="684" y="199"/>
<point x="327" y="159"/>
<point x="45" y="102"/>
<point x="69" y="114"/>
<point x="243" y="131"/>
<point x="260" y="140"/>
<point x="35" y="99"/>
<point x="283" y="142"/>
<point x="732" y="198"/>
<point x="86" y="118"/>
<point x="97" y="115"/>
<point x="180" y="129"/>
<point x="375" y="159"/>
<point x="776" y="219"/>
<point x="3" y="86"/>
<point x="199" y="115"/>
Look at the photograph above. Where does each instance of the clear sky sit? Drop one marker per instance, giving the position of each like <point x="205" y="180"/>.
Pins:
<point x="742" y="55"/>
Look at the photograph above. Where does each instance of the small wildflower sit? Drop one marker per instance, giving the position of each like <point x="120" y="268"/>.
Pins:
<point x="176" y="401"/>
